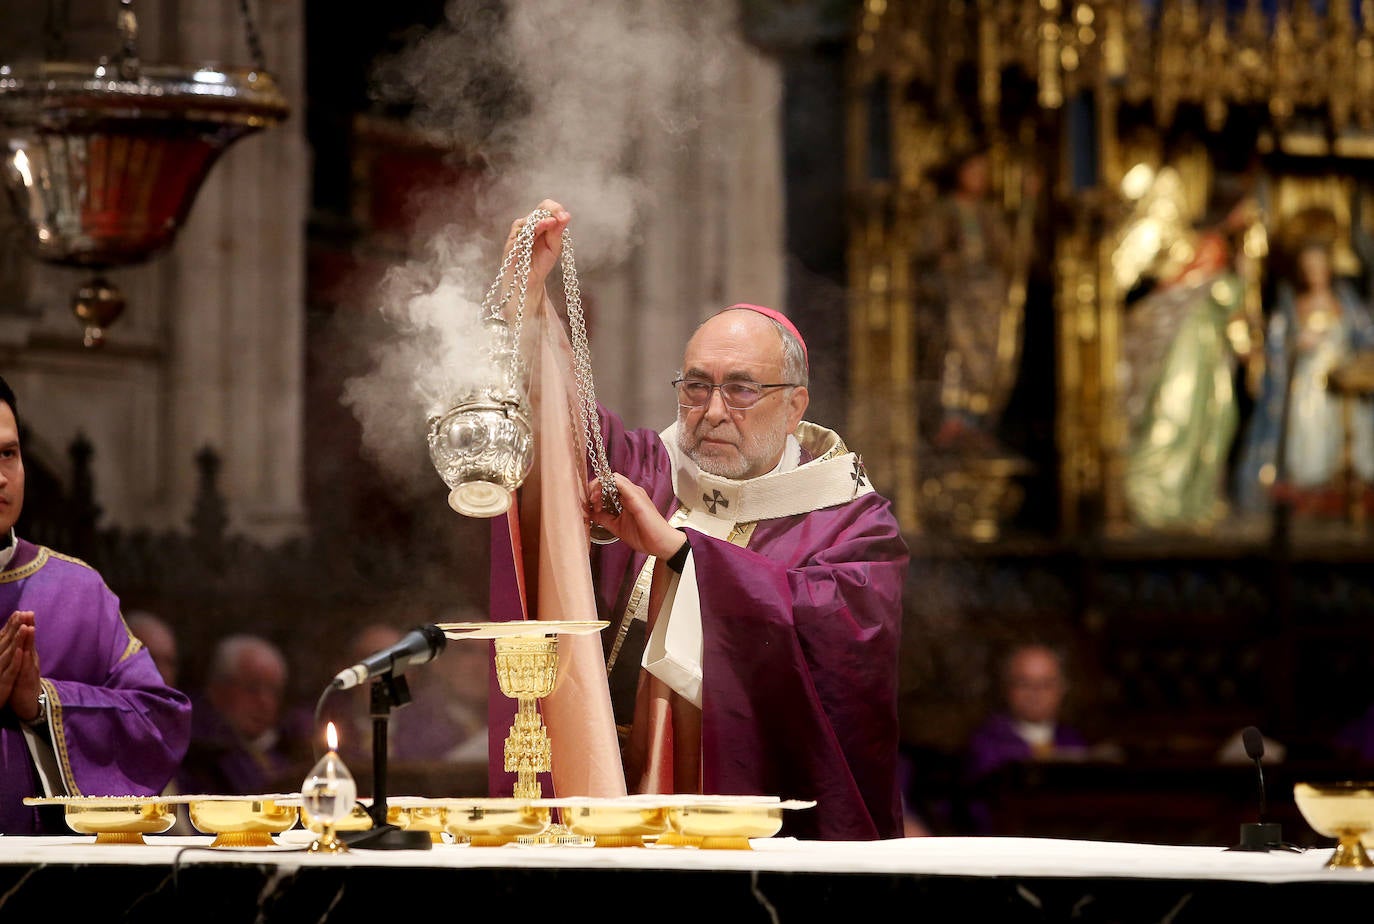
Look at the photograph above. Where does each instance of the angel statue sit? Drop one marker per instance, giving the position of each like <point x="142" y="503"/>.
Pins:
<point x="1178" y="363"/>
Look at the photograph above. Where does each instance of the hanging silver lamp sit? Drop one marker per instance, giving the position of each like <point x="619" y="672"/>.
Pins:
<point x="103" y="160"/>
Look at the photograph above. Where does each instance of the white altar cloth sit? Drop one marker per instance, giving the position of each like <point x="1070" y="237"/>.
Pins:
<point x="937" y="856"/>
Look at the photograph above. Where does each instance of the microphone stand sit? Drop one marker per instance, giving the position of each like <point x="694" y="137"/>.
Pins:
<point x="1262" y="836"/>
<point x="387" y="691"/>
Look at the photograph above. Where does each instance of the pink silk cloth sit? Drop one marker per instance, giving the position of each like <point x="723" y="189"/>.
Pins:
<point x="663" y="754"/>
<point x="548" y="540"/>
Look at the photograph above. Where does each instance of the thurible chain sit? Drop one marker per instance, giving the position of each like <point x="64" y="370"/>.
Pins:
<point x="515" y="274"/>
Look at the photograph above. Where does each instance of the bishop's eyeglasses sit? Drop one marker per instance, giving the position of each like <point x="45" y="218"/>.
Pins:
<point x="738" y="395"/>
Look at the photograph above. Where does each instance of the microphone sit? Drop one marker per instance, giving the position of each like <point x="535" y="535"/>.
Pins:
<point x="418" y="646"/>
<point x="1262" y="835"/>
<point x="1254" y="749"/>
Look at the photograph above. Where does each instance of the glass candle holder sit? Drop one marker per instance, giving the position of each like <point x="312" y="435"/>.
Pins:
<point x="328" y="794"/>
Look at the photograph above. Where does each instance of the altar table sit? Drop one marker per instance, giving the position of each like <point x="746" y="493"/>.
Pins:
<point x="927" y="879"/>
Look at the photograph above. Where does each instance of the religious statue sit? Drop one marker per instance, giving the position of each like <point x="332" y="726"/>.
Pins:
<point x="1178" y="369"/>
<point x="1318" y="322"/>
<point x="971" y="259"/>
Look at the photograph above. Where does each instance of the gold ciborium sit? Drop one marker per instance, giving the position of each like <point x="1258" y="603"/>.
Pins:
<point x="1343" y="810"/>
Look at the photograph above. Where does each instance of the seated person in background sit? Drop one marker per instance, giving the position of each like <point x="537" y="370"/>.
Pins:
<point x="242" y="742"/>
<point x="83" y="710"/>
<point x="1028" y="727"/>
<point x="160" y="640"/>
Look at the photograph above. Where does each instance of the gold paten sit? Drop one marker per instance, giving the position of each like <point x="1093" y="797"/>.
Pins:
<point x="1343" y="810"/>
<point x="241" y="821"/>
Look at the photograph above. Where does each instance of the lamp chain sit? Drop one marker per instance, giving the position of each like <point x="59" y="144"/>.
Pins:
<point x="250" y="28"/>
<point x="127" y="25"/>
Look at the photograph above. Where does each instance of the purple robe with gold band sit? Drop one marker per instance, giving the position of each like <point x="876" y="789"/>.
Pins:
<point x="799" y="655"/>
<point x="800" y="636"/>
<point x="117" y="729"/>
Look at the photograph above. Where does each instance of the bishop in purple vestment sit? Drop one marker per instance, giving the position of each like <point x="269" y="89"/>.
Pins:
<point x="755" y="595"/>
<point x="85" y="711"/>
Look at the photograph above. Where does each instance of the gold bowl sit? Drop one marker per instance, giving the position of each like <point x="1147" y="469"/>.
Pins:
<point x="114" y="819"/>
<point x="724" y="825"/>
<point x="493" y="822"/>
<point x="614" y="822"/>
<point x="242" y="821"/>
<point x="724" y="822"/>
<point x="1343" y="810"/>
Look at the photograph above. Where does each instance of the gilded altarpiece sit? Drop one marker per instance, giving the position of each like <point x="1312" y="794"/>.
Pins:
<point x="1117" y="108"/>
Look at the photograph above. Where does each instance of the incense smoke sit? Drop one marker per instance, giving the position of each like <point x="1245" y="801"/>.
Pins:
<point x="553" y="97"/>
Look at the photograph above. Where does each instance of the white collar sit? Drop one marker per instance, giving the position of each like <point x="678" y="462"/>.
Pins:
<point x="8" y="551"/>
<point x="833" y="477"/>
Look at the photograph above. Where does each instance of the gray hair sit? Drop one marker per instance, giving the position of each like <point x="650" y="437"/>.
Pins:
<point x="224" y="661"/>
<point x="793" y="357"/>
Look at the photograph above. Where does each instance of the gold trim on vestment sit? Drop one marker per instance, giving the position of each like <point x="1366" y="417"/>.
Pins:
<point x="57" y="734"/>
<point x="133" y="645"/>
<point x="18" y="574"/>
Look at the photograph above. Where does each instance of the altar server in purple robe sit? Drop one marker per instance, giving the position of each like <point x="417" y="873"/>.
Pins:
<point x="85" y="711"/>
<point x="755" y="593"/>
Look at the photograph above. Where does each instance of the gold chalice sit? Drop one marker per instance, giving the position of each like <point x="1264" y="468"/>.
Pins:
<point x="526" y="668"/>
<point x="1343" y="810"/>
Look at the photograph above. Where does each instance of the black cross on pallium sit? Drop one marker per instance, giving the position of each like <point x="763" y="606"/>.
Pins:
<point x="716" y="499"/>
<point x="860" y="474"/>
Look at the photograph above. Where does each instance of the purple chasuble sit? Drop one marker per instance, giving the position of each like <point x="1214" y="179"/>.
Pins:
<point x="800" y="629"/>
<point x="117" y="728"/>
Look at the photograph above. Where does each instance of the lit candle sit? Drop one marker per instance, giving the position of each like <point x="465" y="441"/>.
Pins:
<point x="328" y="795"/>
